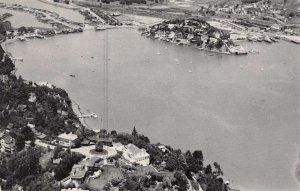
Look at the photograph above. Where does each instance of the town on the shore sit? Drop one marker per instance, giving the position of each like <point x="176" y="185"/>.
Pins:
<point x="216" y="28"/>
<point x="45" y="146"/>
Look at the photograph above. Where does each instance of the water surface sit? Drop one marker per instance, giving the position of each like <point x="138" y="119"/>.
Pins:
<point x="242" y="111"/>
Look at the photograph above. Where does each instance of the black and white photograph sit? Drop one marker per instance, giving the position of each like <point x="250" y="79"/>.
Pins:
<point x="149" y="95"/>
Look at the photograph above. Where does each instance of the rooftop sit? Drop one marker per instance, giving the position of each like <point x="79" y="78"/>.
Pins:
<point x="78" y="171"/>
<point x="133" y="149"/>
<point x="69" y="136"/>
<point x="8" y="139"/>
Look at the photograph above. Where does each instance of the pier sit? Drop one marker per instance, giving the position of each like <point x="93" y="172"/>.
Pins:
<point x="92" y="115"/>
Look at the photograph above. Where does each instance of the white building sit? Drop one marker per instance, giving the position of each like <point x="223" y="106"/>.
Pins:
<point x="66" y="140"/>
<point x="135" y="155"/>
<point x="7" y="144"/>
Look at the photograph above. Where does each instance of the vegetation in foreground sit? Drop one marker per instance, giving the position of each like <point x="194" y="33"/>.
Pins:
<point x="31" y="167"/>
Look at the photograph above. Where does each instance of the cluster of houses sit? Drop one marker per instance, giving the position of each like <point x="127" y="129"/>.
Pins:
<point x="196" y="32"/>
<point x="261" y="14"/>
<point x="61" y="24"/>
<point x="131" y="153"/>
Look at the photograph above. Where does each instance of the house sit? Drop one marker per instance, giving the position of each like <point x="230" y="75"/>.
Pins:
<point x="56" y="161"/>
<point x="4" y="78"/>
<point x="9" y="126"/>
<point x="27" y="144"/>
<point x="107" y="141"/>
<point x="78" y="173"/>
<point x="8" y="144"/>
<point x="135" y="155"/>
<point x="92" y="164"/>
<point x="38" y="135"/>
<point x="2" y="133"/>
<point x="32" y="97"/>
<point x="66" y="140"/>
<point x="163" y="148"/>
<point x="119" y="147"/>
<point x="275" y="28"/>
<point x="85" y="142"/>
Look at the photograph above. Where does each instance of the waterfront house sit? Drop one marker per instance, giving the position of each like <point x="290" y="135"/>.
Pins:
<point x="66" y="140"/>
<point x="135" y="155"/>
<point x="7" y="144"/>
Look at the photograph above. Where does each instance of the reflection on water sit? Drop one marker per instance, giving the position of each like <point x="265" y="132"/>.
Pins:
<point x="244" y="117"/>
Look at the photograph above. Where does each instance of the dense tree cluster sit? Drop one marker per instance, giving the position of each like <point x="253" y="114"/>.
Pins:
<point x="68" y="159"/>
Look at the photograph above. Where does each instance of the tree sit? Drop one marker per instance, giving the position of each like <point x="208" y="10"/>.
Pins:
<point x="218" y="171"/>
<point x="172" y="163"/>
<point x="181" y="181"/>
<point x="208" y="169"/>
<point x="134" y="132"/>
<point x="198" y="155"/>
<point x="27" y="133"/>
<point x="99" y="147"/>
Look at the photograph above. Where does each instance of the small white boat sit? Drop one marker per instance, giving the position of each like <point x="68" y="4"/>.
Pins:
<point x="94" y="115"/>
<point x="100" y="27"/>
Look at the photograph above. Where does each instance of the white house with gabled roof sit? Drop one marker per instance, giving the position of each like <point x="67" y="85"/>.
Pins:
<point x="133" y="154"/>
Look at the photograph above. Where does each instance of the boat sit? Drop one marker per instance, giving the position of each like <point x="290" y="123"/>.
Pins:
<point x="273" y="39"/>
<point x="39" y="36"/>
<point x="72" y="75"/>
<point x="238" y="50"/>
<point x="100" y="27"/>
<point x="267" y="39"/>
<point x="94" y="115"/>
<point x="21" y="38"/>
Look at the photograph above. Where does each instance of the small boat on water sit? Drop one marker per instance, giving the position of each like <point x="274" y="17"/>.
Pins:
<point x="94" y="115"/>
<point x="100" y="28"/>
<point x="39" y="36"/>
<point x="72" y="75"/>
<point x="21" y="38"/>
<point x="267" y="39"/>
<point x="238" y="50"/>
<point x="273" y="39"/>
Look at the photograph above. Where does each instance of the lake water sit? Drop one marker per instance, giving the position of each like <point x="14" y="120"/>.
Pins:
<point x="67" y="13"/>
<point x="242" y="111"/>
<point x="28" y="20"/>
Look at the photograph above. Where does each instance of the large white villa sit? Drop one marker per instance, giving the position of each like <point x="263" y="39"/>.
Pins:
<point x="133" y="154"/>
